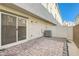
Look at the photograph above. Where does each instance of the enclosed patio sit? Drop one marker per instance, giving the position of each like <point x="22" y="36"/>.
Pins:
<point x="43" y="46"/>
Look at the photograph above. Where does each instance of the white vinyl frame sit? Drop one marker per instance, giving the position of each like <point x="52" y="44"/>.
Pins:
<point x="26" y="24"/>
<point x="0" y="29"/>
<point x="17" y="29"/>
<point x="17" y="42"/>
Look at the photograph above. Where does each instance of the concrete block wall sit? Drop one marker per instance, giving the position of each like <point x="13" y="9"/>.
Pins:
<point x="63" y="32"/>
<point x="70" y="33"/>
<point x="59" y="31"/>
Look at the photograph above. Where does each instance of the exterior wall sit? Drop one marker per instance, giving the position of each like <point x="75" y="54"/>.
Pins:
<point x="35" y="26"/>
<point x="70" y="33"/>
<point x="56" y="14"/>
<point x="35" y="8"/>
<point x="51" y="8"/>
<point x="54" y="10"/>
<point x="59" y="31"/>
<point x="63" y="32"/>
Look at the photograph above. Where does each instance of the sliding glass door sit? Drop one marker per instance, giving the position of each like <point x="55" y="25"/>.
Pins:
<point x="13" y="28"/>
<point x="8" y="29"/>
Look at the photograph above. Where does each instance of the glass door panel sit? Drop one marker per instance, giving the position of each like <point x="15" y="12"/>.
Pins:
<point x="8" y="29"/>
<point x="21" y="29"/>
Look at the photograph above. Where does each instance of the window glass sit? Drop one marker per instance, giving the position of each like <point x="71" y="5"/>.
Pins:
<point x="21" y="29"/>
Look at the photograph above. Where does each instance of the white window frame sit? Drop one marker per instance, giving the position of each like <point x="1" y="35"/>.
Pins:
<point x="17" y="41"/>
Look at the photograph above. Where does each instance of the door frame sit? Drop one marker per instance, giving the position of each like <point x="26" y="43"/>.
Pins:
<point x="0" y="29"/>
<point x="17" y="41"/>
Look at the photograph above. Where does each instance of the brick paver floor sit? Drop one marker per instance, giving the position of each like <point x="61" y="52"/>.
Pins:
<point x="38" y="47"/>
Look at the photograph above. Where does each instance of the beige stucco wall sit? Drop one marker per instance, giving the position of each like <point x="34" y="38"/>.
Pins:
<point x="37" y="27"/>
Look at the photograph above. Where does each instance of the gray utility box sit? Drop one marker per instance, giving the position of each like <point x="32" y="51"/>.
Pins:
<point x="47" y="33"/>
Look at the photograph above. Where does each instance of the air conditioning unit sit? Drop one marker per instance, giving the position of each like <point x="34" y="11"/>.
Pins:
<point x="47" y="33"/>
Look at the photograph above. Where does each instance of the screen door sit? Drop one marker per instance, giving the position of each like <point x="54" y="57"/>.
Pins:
<point x="21" y="29"/>
<point x="8" y="29"/>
